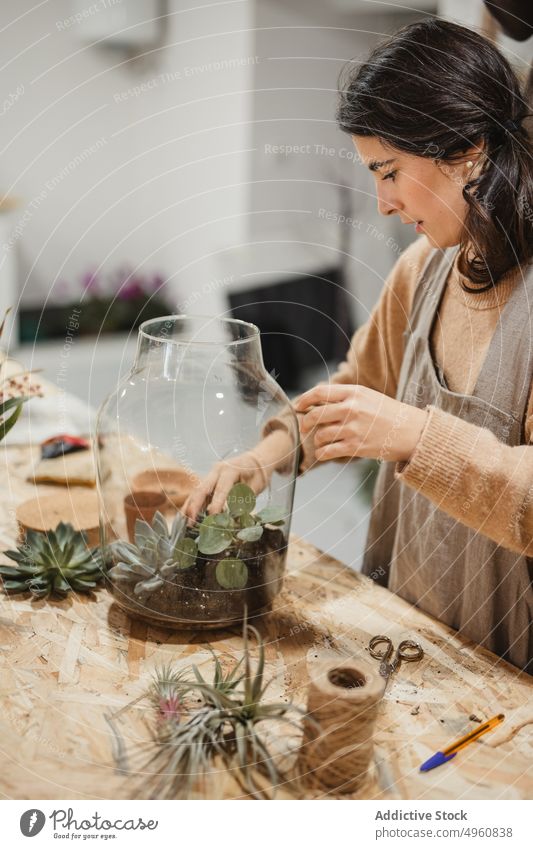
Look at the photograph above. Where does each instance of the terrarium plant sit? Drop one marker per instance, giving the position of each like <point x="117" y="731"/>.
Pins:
<point x="52" y="563"/>
<point x="197" y="724"/>
<point x="231" y="531"/>
<point x="154" y="556"/>
<point x="209" y="374"/>
<point x="200" y="569"/>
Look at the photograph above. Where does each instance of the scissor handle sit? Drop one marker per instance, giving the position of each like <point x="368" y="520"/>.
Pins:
<point x="410" y="650"/>
<point x="377" y="654"/>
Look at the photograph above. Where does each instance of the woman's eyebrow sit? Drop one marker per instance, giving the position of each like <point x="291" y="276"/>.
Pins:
<point x="374" y="165"/>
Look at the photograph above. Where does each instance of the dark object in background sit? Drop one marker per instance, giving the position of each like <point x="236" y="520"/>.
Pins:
<point x="106" y="303"/>
<point x="92" y="317"/>
<point x="304" y="323"/>
<point x="516" y="20"/>
<point x="62" y="444"/>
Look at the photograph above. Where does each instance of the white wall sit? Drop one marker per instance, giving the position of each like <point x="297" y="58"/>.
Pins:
<point x="172" y="176"/>
<point x="305" y="43"/>
<point x="156" y="179"/>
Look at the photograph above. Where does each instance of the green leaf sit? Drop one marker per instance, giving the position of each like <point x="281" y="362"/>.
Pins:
<point x="61" y="585"/>
<point x="18" y="556"/>
<point x="7" y="424"/>
<point x="246" y="521"/>
<point x="121" y="550"/>
<point x="257" y="685"/>
<point x="178" y="526"/>
<point x="251" y="534"/>
<point x="83" y="585"/>
<point x="159" y="526"/>
<point x="12" y="402"/>
<point x="271" y="514"/>
<point x="129" y="572"/>
<point x="15" y="587"/>
<point x="13" y="571"/>
<point x="148" y="586"/>
<point x="212" y="538"/>
<point x="219" y="520"/>
<point x="232" y="574"/>
<point x="241" y="499"/>
<point x="144" y="535"/>
<point x="185" y="553"/>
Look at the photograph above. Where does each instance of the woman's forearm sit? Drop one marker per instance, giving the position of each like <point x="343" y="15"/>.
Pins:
<point x="276" y="452"/>
<point x="483" y="483"/>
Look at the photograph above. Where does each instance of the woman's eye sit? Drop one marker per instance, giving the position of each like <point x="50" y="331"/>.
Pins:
<point x="390" y="176"/>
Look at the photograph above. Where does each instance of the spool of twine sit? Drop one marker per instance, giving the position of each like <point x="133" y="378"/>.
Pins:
<point x="337" y="745"/>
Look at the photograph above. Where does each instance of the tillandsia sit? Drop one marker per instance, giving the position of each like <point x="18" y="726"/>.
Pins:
<point x="158" y="554"/>
<point x="15" y="390"/>
<point x="53" y="563"/>
<point x="228" y="724"/>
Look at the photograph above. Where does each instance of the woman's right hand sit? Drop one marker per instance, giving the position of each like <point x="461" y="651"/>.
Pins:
<point x="213" y="490"/>
<point x="274" y="453"/>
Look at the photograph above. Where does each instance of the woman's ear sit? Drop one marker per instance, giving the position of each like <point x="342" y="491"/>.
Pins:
<point x="474" y="159"/>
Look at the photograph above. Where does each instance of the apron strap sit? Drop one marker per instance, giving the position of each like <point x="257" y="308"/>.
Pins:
<point x="428" y="293"/>
<point x="507" y="370"/>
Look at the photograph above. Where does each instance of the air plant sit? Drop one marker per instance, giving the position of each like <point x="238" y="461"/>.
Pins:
<point x="224" y="725"/>
<point x="52" y="563"/>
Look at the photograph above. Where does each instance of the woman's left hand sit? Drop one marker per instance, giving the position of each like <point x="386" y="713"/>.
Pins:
<point x="354" y="421"/>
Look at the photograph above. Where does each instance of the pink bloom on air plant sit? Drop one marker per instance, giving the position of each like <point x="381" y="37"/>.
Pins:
<point x="170" y="707"/>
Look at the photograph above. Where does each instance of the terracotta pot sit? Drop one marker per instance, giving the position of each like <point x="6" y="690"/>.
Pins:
<point x="176" y="484"/>
<point x="142" y="504"/>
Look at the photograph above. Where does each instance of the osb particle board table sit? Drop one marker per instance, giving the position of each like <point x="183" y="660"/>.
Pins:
<point x="66" y="664"/>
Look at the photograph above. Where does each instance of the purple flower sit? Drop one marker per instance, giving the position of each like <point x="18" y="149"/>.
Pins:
<point x="158" y="281"/>
<point x="124" y="284"/>
<point x="130" y="291"/>
<point x="90" y="282"/>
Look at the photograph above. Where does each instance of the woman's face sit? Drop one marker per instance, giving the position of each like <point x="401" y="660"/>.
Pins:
<point x="423" y="192"/>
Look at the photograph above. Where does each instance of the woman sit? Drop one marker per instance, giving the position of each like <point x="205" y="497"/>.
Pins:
<point x="438" y="382"/>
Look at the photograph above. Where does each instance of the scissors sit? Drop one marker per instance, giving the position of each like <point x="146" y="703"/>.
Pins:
<point x="407" y="650"/>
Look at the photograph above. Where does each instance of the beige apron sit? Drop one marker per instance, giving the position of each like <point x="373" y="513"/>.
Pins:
<point x="421" y="553"/>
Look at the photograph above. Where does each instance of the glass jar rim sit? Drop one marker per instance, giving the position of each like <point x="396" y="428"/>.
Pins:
<point x="143" y="329"/>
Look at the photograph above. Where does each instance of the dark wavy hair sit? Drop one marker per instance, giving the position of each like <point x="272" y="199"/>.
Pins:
<point x="434" y="89"/>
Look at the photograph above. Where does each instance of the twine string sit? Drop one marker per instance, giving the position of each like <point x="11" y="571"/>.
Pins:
<point x="337" y="746"/>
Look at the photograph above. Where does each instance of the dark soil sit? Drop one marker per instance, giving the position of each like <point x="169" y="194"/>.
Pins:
<point x="194" y="598"/>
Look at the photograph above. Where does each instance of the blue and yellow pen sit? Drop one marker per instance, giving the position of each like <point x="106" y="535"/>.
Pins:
<point x="450" y="752"/>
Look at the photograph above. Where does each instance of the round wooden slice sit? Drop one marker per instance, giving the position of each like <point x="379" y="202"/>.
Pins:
<point x="44" y="513"/>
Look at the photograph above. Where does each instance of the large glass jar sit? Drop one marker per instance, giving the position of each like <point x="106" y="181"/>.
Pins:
<point x="198" y="395"/>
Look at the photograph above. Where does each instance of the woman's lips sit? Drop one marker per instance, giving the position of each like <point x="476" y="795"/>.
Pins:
<point x="419" y="226"/>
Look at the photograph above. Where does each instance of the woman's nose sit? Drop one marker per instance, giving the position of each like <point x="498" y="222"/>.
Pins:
<point x="387" y="205"/>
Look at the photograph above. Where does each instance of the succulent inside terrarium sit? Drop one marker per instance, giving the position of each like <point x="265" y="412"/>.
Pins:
<point x="206" y="572"/>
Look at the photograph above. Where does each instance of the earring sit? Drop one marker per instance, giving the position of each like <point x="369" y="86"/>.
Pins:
<point x="469" y="164"/>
